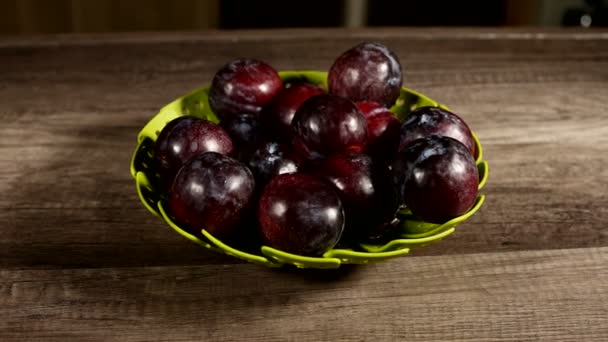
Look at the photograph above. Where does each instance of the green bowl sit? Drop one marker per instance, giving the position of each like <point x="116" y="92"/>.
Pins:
<point x="410" y="233"/>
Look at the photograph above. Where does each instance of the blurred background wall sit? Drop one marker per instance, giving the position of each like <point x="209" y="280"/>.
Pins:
<point x="65" y="16"/>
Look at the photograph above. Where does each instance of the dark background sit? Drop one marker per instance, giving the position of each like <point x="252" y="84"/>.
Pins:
<point x="65" y="16"/>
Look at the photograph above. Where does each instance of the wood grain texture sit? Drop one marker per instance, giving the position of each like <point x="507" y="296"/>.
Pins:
<point x="82" y="260"/>
<point x="559" y="295"/>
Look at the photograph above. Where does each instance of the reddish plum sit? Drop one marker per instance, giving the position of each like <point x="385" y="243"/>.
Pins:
<point x="211" y="192"/>
<point x="368" y="198"/>
<point x="184" y="138"/>
<point x="326" y="124"/>
<point x="243" y="86"/>
<point x="437" y="178"/>
<point x="277" y="116"/>
<point x="370" y="108"/>
<point x="427" y="121"/>
<point x="382" y="131"/>
<point x="300" y="214"/>
<point x="367" y="72"/>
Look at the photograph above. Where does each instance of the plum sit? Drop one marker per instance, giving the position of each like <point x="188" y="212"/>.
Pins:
<point x="437" y="178"/>
<point x="367" y="72"/>
<point x="326" y="124"/>
<point x="367" y="196"/>
<point x="382" y="131"/>
<point x="427" y="121"/>
<point x="300" y="214"/>
<point x="243" y="86"/>
<point x="276" y="117"/>
<point x="184" y="138"/>
<point x="246" y="133"/>
<point x="272" y="159"/>
<point x="212" y="192"/>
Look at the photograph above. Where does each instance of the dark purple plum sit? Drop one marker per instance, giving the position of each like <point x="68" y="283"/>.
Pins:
<point x="246" y="133"/>
<point x="367" y="72"/>
<point x="300" y="214"/>
<point x="212" y="192"/>
<point x="382" y="130"/>
<point x="437" y="178"/>
<point x="326" y="124"/>
<point x="277" y="116"/>
<point x="427" y="121"/>
<point x="243" y="86"/>
<point x="272" y="159"/>
<point x="184" y="138"/>
<point x="368" y="198"/>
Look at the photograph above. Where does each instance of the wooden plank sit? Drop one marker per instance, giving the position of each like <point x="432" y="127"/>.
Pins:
<point x="557" y="295"/>
<point x="492" y="36"/>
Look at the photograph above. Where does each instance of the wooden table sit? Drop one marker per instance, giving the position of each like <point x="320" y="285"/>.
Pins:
<point x="82" y="260"/>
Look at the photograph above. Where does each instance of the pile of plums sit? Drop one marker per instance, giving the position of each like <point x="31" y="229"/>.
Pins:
<point x="300" y="168"/>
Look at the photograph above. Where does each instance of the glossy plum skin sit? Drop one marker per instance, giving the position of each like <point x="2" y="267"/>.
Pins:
<point x="278" y="114"/>
<point x="272" y="159"/>
<point x="427" y="121"/>
<point x="382" y="130"/>
<point x="211" y="192"/>
<point x="184" y="138"/>
<point x="368" y="198"/>
<point x="367" y="72"/>
<point x="245" y="131"/>
<point x="326" y="124"/>
<point x="300" y="214"/>
<point x="243" y="86"/>
<point x="437" y="178"/>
